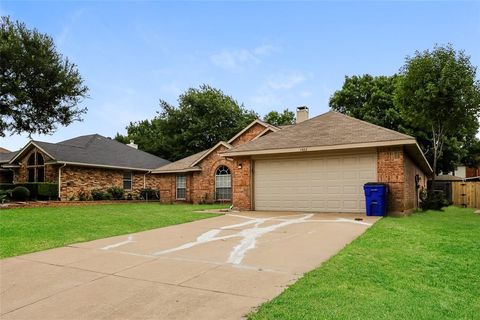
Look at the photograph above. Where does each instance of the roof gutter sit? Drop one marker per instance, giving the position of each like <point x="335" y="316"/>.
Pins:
<point x="233" y="153"/>
<point x="177" y="171"/>
<point x="80" y="164"/>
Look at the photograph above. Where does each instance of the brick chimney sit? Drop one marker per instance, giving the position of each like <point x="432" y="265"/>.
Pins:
<point x="132" y="144"/>
<point x="302" y="114"/>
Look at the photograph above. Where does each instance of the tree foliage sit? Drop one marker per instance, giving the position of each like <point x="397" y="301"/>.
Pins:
<point x="39" y="88"/>
<point x="370" y="99"/>
<point x="280" y="118"/>
<point x="438" y="92"/>
<point x="202" y="118"/>
<point x="376" y="100"/>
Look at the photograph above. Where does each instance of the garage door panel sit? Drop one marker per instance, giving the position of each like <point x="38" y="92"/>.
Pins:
<point x="366" y="175"/>
<point x="333" y="183"/>
<point x="350" y="190"/>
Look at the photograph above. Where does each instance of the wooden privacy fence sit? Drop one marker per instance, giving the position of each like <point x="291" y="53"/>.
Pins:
<point x="466" y="194"/>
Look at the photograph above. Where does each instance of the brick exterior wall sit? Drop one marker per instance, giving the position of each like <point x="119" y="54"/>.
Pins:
<point x="395" y="168"/>
<point x="77" y="179"/>
<point x="390" y="169"/>
<point x="248" y="135"/>
<point x="412" y="193"/>
<point x="242" y="193"/>
<point x="201" y="184"/>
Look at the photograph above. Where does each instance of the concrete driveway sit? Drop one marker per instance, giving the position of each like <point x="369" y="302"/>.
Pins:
<point x="218" y="268"/>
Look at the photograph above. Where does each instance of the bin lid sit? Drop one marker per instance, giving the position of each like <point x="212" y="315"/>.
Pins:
<point x="376" y="184"/>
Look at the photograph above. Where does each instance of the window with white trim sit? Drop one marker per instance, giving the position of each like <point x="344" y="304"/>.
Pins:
<point x="223" y="184"/>
<point x="181" y="187"/>
<point x="127" y="180"/>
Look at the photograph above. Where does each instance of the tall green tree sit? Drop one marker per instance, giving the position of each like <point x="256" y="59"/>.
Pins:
<point x="280" y="118"/>
<point x="203" y="117"/>
<point x="370" y="99"/>
<point x="39" y="88"/>
<point x="439" y="93"/>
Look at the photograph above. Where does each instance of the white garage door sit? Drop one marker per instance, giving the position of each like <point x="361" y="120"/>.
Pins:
<point x="321" y="184"/>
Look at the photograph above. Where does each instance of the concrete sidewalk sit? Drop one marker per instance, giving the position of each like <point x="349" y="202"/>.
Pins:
<point x="218" y="268"/>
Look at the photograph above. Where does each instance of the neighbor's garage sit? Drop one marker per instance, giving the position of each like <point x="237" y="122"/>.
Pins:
<point x="332" y="183"/>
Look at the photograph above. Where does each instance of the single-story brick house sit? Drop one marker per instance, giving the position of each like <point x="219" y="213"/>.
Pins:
<point x="80" y="164"/>
<point x="318" y="165"/>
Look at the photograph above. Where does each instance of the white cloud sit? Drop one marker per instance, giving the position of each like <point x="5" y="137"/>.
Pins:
<point x="235" y="59"/>
<point x="266" y="99"/>
<point x="305" y="94"/>
<point x="63" y="35"/>
<point x="286" y="89"/>
<point x="285" y="80"/>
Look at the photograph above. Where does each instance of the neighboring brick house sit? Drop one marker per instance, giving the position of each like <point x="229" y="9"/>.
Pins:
<point x="467" y="172"/>
<point x="80" y="165"/>
<point x="208" y="176"/>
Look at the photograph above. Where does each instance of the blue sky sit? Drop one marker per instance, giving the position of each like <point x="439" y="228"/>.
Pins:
<point x="267" y="55"/>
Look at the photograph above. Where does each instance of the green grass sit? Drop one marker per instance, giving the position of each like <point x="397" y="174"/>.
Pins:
<point x="33" y="229"/>
<point x="426" y="266"/>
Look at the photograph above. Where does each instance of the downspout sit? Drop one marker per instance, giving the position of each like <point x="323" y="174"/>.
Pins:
<point x="145" y="183"/>
<point x="145" y="179"/>
<point x="60" y="181"/>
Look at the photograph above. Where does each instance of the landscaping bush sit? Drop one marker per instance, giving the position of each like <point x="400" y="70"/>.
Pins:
<point x="5" y="195"/>
<point x="82" y="196"/>
<point x="47" y="190"/>
<point x="107" y="196"/>
<point x="6" y="186"/>
<point x="149" y="194"/>
<point x="97" y="194"/>
<point x="20" y="193"/>
<point x="41" y="190"/>
<point x="435" y="200"/>
<point x="116" y="192"/>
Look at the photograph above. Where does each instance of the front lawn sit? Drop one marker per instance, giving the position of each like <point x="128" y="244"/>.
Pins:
<point x="426" y="266"/>
<point x="33" y="229"/>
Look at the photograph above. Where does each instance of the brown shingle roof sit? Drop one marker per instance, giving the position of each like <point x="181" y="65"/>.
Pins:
<point x="183" y="164"/>
<point x="3" y="150"/>
<point x="328" y="129"/>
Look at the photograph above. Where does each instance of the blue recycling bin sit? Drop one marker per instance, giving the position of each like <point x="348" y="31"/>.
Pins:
<point x="376" y="198"/>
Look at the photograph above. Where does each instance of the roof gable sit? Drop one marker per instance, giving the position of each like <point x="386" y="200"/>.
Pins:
<point x="190" y="163"/>
<point x="253" y="123"/>
<point x="221" y="143"/>
<point x="31" y="144"/>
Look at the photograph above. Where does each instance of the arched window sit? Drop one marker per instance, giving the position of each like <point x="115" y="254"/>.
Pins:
<point x="223" y="184"/>
<point x="40" y="160"/>
<point x="36" y="167"/>
<point x="31" y="159"/>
